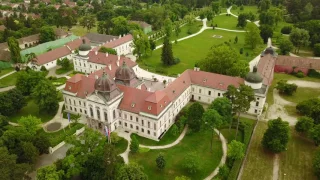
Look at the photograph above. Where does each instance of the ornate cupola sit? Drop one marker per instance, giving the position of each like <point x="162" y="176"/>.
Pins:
<point x="253" y="79"/>
<point x="125" y="75"/>
<point x="84" y="48"/>
<point x="106" y="87"/>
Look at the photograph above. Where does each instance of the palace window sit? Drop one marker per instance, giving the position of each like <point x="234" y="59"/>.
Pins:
<point x="148" y="132"/>
<point x="200" y="91"/>
<point x="130" y="118"/>
<point x="137" y="119"/>
<point x="131" y="126"/>
<point x="209" y="93"/>
<point x="98" y="114"/>
<point x="106" y="116"/>
<point x="114" y="114"/>
<point x="148" y="124"/>
<point x="257" y="103"/>
<point x="154" y="126"/>
<point x="137" y="127"/>
<point x="219" y="94"/>
<point x="91" y="112"/>
<point x="142" y="130"/>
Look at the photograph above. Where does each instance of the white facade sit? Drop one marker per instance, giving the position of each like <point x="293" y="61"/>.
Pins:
<point x="124" y="49"/>
<point x="48" y="65"/>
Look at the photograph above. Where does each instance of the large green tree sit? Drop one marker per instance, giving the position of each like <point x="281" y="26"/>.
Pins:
<point x="236" y="150"/>
<point x="316" y="163"/>
<point x="223" y="59"/>
<point x="46" y="96"/>
<point x="131" y="171"/>
<point x="49" y="173"/>
<point x="195" y="112"/>
<point x="88" y="21"/>
<point x="141" y="44"/>
<point x="224" y="108"/>
<point x="11" y="102"/>
<point x="26" y="81"/>
<point x="299" y="38"/>
<point x="310" y="108"/>
<point x="167" y="54"/>
<point x="30" y="124"/>
<point x="14" y="48"/>
<point x="252" y="35"/>
<point x="314" y="134"/>
<point x="285" y="46"/>
<point x="240" y="99"/>
<point x="276" y="136"/>
<point x="212" y="119"/>
<point x="46" y="34"/>
<point x="304" y="124"/>
<point x="266" y="32"/>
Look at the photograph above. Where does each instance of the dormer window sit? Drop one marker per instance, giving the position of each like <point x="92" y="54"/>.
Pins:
<point x="133" y="104"/>
<point x="174" y="91"/>
<point x="149" y="107"/>
<point x="165" y="102"/>
<point x="204" y="80"/>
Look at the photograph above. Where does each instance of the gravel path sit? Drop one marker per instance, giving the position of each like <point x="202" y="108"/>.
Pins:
<point x="306" y="84"/>
<point x="8" y="74"/>
<point x="276" y="161"/>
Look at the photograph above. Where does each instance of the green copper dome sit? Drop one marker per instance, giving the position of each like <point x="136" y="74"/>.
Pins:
<point x="84" y="46"/>
<point x="253" y="77"/>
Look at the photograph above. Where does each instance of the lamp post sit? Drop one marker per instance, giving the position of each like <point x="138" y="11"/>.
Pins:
<point x="211" y="135"/>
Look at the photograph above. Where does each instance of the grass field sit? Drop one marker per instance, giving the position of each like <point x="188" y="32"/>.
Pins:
<point x="227" y="22"/>
<point x="291" y="110"/>
<point x="302" y="94"/>
<point x="81" y="31"/>
<point x="166" y="139"/>
<point x="230" y="135"/>
<point x="6" y="71"/>
<point x="121" y="146"/>
<point x="259" y="163"/>
<point x="184" y="32"/>
<point x="296" y="162"/>
<point x="195" y="142"/>
<point x="31" y="109"/>
<point x="246" y="9"/>
<point x="9" y="80"/>
<point x="194" y="49"/>
<point x="279" y="76"/>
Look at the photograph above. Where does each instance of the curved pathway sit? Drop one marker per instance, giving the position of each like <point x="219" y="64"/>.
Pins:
<point x="177" y="141"/>
<point x="224" y="156"/>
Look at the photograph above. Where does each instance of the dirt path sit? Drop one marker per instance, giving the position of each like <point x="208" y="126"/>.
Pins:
<point x="276" y="161"/>
<point x="306" y="84"/>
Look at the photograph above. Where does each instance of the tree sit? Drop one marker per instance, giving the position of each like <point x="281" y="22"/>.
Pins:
<point x="276" y="136"/>
<point x="285" y="46"/>
<point x="42" y="143"/>
<point x="119" y="25"/>
<point x="304" y="124"/>
<point x="224" y="172"/>
<point x="64" y="63"/>
<point x="47" y="34"/>
<point x="134" y="146"/>
<point x="30" y="124"/>
<point x="181" y="178"/>
<point x="242" y="20"/>
<point x="266" y="32"/>
<point x="174" y="130"/>
<point x="26" y="81"/>
<point x="224" y="108"/>
<point x="141" y="44"/>
<point x="222" y="59"/>
<point x="316" y="163"/>
<point x="191" y="162"/>
<point x="267" y="18"/>
<point x="168" y="27"/>
<point x="316" y="49"/>
<point x="111" y="161"/>
<point x="310" y="108"/>
<point x="236" y="150"/>
<point x="314" y="134"/>
<point x="108" y="50"/>
<point x="299" y="38"/>
<point x="29" y="153"/>
<point x="177" y="29"/>
<point x="252" y="35"/>
<point x="88" y="21"/>
<point x="286" y="88"/>
<point x="131" y="171"/>
<point x="167" y="54"/>
<point x="240" y="99"/>
<point x="277" y="14"/>
<point x="10" y="169"/>
<point x="161" y="162"/>
<point x="46" y="96"/>
<point x="152" y="44"/>
<point x="195" y="113"/>
<point x="30" y="57"/>
<point x="11" y="102"/>
<point x="264" y="5"/>
<point x="49" y="172"/>
<point x="212" y="118"/>
<point x="14" y="48"/>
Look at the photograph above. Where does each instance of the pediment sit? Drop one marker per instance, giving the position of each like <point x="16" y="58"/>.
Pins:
<point x="95" y="98"/>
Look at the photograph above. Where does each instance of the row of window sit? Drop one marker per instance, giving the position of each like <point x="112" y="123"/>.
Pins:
<point x="142" y="121"/>
<point x="137" y="128"/>
<point x="104" y="113"/>
<point x="75" y="109"/>
<point x="209" y="92"/>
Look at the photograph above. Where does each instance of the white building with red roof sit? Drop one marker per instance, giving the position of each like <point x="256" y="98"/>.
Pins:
<point x="123" y="45"/>
<point x="114" y="97"/>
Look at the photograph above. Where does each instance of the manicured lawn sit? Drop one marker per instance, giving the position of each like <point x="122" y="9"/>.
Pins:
<point x="223" y="21"/>
<point x="63" y="71"/>
<point x="184" y="32"/>
<point x="195" y="49"/>
<point x="57" y="137"/>
<point x="229" y="135"/>
<point x="246" y="9"/>
<point x="31" y="109"/>
<point x="281" y="25"/>
<point x="279" y="76"/>
<point x="291" y="110"/>
<point x="121" y="146"/>
<point x="166" y="139"/>
<point x="58" y="81"/>
<point x="6" y="71"/>
<point x="296" y="162"/>
<point x="81" y="31"/>
<point x="195" y="142"/>
<point x="302" y="94"/>
<point x="259" y="164"/>
<point x="74" y="73"/>
<point x="9" y="80"/>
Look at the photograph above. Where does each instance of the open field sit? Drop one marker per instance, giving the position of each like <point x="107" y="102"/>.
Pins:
<point x="9" y="80"/>
<point x="174" y="157"/>
<point x="246" y="9"/>
<point x="6" y="71"/>
<point x="302" y="94"/>
<point x="223" y="21"/>
<point x="81" y="31"/>
<point x="296" y="162"/>
<point x="259" y="163"/>
<point x="195" y="49"/>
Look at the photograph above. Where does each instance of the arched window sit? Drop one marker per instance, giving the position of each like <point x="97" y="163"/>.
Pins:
<point x="114" y="114"/>
<point x="106" y="116"/>
<point x="98" y="114"/>
<point x="91" y="112"/>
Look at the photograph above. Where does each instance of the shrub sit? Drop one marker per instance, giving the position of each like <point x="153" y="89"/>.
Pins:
<point x="304" y="124"/>
<point x="285" y="88"/>
<point x="192" y="30"/>
<point x="17" y="68"/>
<point x="241" y="8"/>
<point x="191" y="162"/>
<point x="286" y="29"/>
<point x="176" y="60"/>
<point x="115" y="138"/>
<point x="316" y="163"/>
<point x="316" y="49"/>
<point x="43" y="68"/>
<point x="134" y="146"/>
<point x="241" y="50"/>
<point x="224" y="172"/>
<point x="300" y="74"/>
<point x="313" y="73"/>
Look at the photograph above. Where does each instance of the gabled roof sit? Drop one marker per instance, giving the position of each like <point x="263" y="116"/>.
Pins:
<point x="74" y="44"/>
<point x="52" y="55"/>
<point x="265" y="68"/>
<point x="118" y="42"/>
<point x="100" y="38"/>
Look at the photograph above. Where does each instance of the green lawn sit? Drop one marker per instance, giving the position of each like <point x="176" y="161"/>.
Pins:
<point x="166" y="139"/>
<point x="302" y="94"/>
<point x="57" y="137"/>
<point x="296" y="162"/>
<point x="194" y="49"/>
<point x="259" y="164"/>
<point x="31" y="109"/>
<point x="229" y="135"/>
<point x="246" y="9"/>
<point x="121" y="146"/>
<point x="81" y="31"/>
<point x="194" y="142"/>
<point x="291" y="110"/>
<point x="9" y="80"/>
<point x="279" y="76"/>
<point x="223" y="21"/>
<point x="58" y="81"/>
<point x="63" y="71"/>
<point x="184" y="32"/>
<point x="6" y="71"/>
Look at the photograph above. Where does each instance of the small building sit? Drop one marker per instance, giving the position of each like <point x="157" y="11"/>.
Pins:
<point x="123" y="45"/>
<point x="289" y="64"/>
<point x="99" y="39"/>
<point x="147" y="28"/>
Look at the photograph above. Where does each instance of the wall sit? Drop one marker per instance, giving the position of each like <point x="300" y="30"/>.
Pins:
<point x="289" y="69"/>
<point x="124" y="49"/>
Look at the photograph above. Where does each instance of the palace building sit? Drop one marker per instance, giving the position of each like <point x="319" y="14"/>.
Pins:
<point x="113" y="96"/>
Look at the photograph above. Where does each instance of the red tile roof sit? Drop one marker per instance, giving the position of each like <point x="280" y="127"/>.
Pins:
<point x="117" y="42"/>
<point x="103" y="58"/>
<point x="76" y="43"/>
<point x="52" y="55"/>
<point x="299" y="62"/>
<point x="265" y="68"/>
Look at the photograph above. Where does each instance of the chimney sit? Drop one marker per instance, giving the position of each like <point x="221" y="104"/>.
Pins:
<point x="118" y="57"/>
<point x="109" y="65"/>
<point x="107" y="54"/>
<point x="96" y="52"/>
<point x="96" y="76"/>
